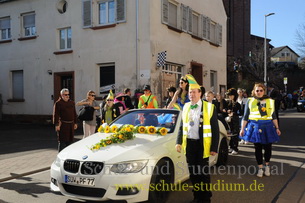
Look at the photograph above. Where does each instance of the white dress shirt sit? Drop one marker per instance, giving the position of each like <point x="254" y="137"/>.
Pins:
<point x="194" y="115"/>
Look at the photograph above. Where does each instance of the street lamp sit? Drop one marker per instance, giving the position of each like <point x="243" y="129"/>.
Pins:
<point x="265" y="49"/>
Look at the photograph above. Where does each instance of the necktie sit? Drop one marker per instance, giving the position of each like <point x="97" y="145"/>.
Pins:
<point x="194" y="106"/>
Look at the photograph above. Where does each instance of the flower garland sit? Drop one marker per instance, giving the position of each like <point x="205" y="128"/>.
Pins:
<point x="125" y="132"/>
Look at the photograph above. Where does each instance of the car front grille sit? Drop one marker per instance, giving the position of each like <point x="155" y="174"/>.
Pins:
<point x="71" y="166"/>
<point x="91" y="168"/>
<point x="84" y="191"/>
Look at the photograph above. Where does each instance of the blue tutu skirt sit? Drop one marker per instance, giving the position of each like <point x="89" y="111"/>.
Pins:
<point x="261" y="131"/>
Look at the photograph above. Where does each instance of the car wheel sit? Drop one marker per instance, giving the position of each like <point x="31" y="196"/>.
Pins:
<point x="223" y="153"/>
<point x="163" y="177"/>
<point x="299" y="109"/>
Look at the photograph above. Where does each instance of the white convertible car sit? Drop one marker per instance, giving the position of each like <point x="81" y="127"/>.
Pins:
<point x="136" y="166"/>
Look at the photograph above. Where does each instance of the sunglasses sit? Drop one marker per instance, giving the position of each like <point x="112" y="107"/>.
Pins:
<point x="259" y="90"/>
<point x="93" y="95"/>
<point x="66" y="94"/>
<point x="109" y="99"/>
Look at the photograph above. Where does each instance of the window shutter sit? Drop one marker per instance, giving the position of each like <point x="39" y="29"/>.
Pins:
<point x="184" y="17"/>
<point x="204" y="21"/>
<point x="29" y="20"/>
<point x="165" y="11"/>
<point x="87" y="13"/>
<point x="120" y="10"/>
<point x="190" y="20"/>
<point x="219" y="34"/>
<point x="208" y="29"/>
<point x="5" y="23"/>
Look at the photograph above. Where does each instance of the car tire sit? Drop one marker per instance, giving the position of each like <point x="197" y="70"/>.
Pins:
<point x="223" y="153"/>
<point x="299" y="109"/>
<point x="163" y="174"/>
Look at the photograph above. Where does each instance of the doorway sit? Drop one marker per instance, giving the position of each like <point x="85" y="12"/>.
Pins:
<point x="196" y="69"/>
<point x="64" y="80"/>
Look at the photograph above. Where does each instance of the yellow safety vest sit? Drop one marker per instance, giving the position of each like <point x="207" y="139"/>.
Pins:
<point x="208" y="109"/>
<point x="254" y="112"/>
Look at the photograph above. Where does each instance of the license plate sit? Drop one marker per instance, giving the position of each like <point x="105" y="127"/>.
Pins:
<point x="79" y="180"/>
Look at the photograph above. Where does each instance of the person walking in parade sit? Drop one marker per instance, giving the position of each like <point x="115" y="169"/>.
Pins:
<point x="89" y="126"/>
<point x="147" y="100"/>
<point x="109" y="111"/>
<point x="260" y="126"/>
<point x="64" y="119"/>
<point x="233" y="110"/>
<point x="198" y="139"/>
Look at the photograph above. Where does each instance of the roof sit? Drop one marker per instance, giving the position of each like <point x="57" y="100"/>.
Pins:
<point x="278" y="49"/>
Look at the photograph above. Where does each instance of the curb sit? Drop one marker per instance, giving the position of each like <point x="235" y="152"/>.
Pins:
<point x="15" y="176"/>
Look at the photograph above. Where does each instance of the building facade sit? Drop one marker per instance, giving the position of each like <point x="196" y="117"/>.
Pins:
<point x="99" y="45"/>
<point x="284" y="54"/>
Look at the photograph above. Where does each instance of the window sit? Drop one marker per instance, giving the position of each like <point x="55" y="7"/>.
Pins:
<point x="170" y="13"/>
<point x="5" y="28"/>
<point x="61" y="6"/>
<point x="215" y="33"/>
<point x="107" y="78"/>
<point x="29" y="28"/>
<point x="213" y="82"/>
<point x="195" y="29"/>
<point x="109" y="12"/>
<point x="17" y="84"/>
<point x="106" y="12"/>
<point x="65" y="38"/>
<point x="171" y="73"/>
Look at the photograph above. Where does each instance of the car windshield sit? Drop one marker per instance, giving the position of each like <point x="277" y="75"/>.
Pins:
<point x="154" y="117"/>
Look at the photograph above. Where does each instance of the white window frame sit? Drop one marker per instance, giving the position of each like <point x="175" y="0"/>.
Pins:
<point x="213" y="80"/>
<point x="107" y="13"/>
<point x="119" y="12"/>
<point x="5" y="28"/>
<point x="17" y="84"/>
<point x="30" y="30"/>
<point x="67" y="34"/>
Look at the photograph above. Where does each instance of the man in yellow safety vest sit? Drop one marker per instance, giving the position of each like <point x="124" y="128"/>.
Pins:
<point x="198" y="139"/>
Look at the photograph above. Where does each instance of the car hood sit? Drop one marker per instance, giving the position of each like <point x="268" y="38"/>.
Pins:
<point x="141" y="147"/>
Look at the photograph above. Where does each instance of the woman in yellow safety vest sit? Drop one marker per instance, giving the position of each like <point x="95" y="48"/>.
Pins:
<point x="260" y="126"/>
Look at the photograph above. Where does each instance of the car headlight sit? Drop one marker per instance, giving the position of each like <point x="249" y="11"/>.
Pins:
<point x="129" y="167"/>
<point x="299" y="103"/>
<point x="57" y="161"/>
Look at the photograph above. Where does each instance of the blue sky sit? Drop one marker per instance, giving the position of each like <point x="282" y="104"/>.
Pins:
<point x="281" y="27"/>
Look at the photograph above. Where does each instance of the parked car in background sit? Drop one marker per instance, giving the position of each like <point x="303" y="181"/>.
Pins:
<point x="129" y="163"/>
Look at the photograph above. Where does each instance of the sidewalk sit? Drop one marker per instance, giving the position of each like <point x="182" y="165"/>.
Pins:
<point x="23" y="165"/>
<point x="27" y="148"/>
<point x="294" y="191"/>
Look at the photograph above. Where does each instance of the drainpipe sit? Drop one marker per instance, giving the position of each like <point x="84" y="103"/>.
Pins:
<point x="137" y="51"/>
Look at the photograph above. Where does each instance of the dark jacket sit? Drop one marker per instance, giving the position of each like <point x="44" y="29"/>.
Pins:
<point x="115" y="113"/>
<point x="215" y="131"/>
<point x="64" y="114"/>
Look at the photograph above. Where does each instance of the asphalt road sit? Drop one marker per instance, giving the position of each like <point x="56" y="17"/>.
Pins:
<point x="237" y="182"/>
